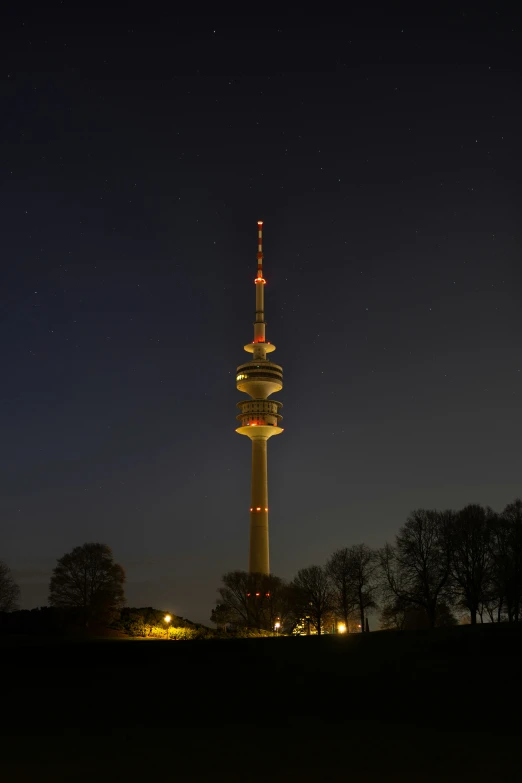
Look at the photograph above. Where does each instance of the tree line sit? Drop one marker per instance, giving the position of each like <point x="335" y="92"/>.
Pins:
<point x="441" y="564"/>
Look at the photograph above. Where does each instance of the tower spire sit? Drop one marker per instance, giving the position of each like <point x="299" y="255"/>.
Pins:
<point x="259" y="418"/>
<point x="260" y="248"/>
<point x="259" y="324"/>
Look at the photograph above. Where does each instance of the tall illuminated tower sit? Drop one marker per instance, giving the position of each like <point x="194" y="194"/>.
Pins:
<point x="259" y="418"/>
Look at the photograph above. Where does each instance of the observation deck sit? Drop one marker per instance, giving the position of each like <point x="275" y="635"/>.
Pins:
<point x="259" y="412"/>
<point x="251" y="347"/>
<point x="259" y="378"/>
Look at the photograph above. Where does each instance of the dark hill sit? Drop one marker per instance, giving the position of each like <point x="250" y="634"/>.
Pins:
<point x="427" y="705"/>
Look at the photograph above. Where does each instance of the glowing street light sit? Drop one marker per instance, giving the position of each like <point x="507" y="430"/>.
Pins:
<point x="277" y="626"/>
<point x="341" y="628"/>
<point x="167" y="619"/>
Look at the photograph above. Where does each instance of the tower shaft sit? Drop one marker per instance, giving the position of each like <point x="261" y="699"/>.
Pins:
<point x="259" y="561"/>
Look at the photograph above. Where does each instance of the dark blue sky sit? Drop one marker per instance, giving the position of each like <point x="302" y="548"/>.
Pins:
<point x="138" y="151"/>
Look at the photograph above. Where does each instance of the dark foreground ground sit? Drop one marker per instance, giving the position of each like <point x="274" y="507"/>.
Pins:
<point x="421" y="706"/>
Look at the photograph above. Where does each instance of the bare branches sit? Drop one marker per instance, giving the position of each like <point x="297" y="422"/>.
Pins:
<point x="471" y="557"/>
<point x="313" y="594"/>
<point x="353" y="576"/>
<point x="253" y="600"/>
<point x="9" y="590"/>
<point x="506" y="552"/>
<point x="417" y="570"/>
<point x="441" y="560"/>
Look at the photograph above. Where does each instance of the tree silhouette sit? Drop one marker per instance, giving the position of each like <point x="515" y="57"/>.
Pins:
<point x="398" y="616"/>
<point x="252" y="600"/>
<point x="394" y="614"/>
<point x="89" y="580"/>
<point x="352" y="573"/>
<point x="364" y="567"/>
<point x="222" y="615"/>
<point x="506" y="548"/>
<point x="9" y="590"/>
<point x="471" y="558"/>
<point x="417" y="569"/>
<point x="339" y="568"/>
<point x="313" y="594"/>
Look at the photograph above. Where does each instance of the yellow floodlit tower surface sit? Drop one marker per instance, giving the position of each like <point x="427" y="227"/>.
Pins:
<point x="259" y="418"/>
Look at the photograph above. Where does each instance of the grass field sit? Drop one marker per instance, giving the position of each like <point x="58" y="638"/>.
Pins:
<point x="439" y="705"/>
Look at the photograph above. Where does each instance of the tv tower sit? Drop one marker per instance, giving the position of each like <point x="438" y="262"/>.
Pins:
<point x="259" y="418"/>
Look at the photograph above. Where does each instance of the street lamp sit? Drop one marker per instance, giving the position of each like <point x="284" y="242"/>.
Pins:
<point x="167" y="619"/>
<point x="277" y="626"/>
<point x="341" y="628"/>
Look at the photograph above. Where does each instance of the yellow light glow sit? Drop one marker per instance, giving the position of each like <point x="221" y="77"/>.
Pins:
<point x="341" y="628"/>
<point x="167" y="618"/>
<point x="277" y="625"/>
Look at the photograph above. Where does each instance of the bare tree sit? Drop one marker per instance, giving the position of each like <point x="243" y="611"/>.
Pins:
<point x="492" y="605"/>
<point x="89" y="580"/>
<point x="507" y="558"/>
<point x="399" y="616"/>
<point x="313" y="594"/>
<point x="253" y="600"/>
<point x="471" y="560"/>
<point x="233" y="596"/>
<point x="9" y="590"/>
<point x="417" y="569"/>
<point x="340" y="571"/>
<point x="352" y="573"/>
<point x="394" y="614"/>
<point x="364" y="579"/>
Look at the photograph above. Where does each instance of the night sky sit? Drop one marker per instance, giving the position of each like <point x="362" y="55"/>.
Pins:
<point x="138" y="150"/>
